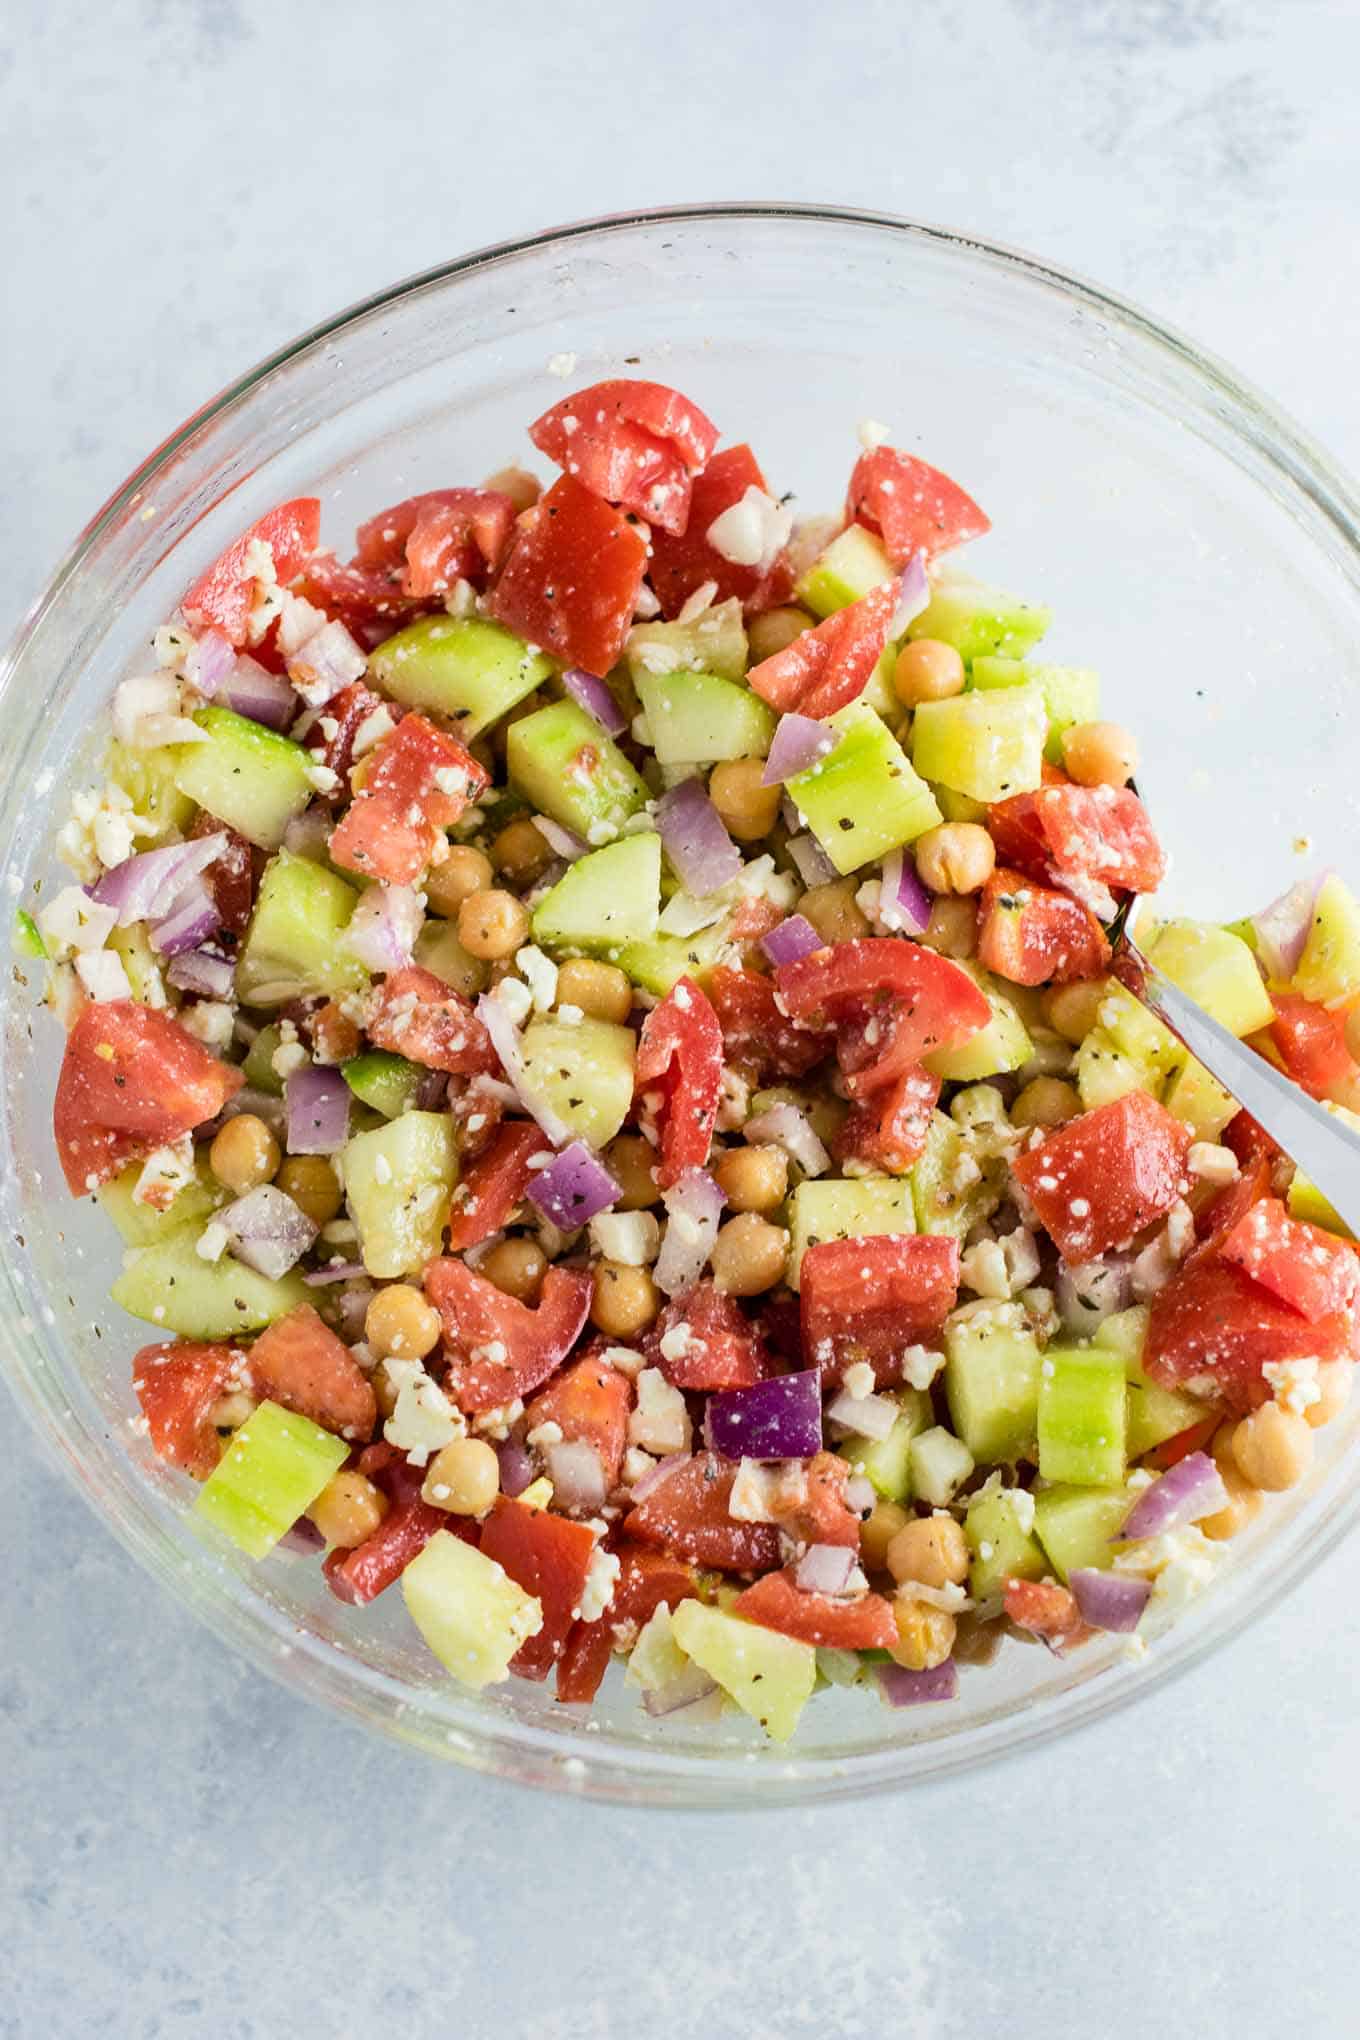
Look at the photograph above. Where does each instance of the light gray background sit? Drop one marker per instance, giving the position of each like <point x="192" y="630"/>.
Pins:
<point x="185" y="1851"/>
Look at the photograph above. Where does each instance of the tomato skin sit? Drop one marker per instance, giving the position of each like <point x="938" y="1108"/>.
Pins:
<point x="686" y="1514"/>
<point x="571" y="580"/>
<point x="589" y="1401"/>
<point x="359" y="1576"/>
<point x="828" y="667"/>
<point x="1307" y="1268"/>
<point x="437" y="538"/>
<point x="490" y="1189"/>
<point x="419" y="781"/>
<point x="221" y="597"/>
<point x="756" y="1035"/>
<point x="1218" y="1218"/>
<point x="870" y="1298"/>
<point x="1046" y="1610"/>
<point x="476" y="1315"/>
<point x="349" y="711"/>
<point x="889" y="1130"/>
<point x="824" y="1516"/>
<point x="912" y="506"/>
<point x="777" y="1602"/>
<point x="299" y="1362"/>
<point x="1034" y="934"/>
<point x="1213" y="1329"/>
<point x="725" y="1349"/>
<point x="680" y="1055"/>
<point x="549" y="1557"/>
<point x="647" y="1581"/>
<point x="1312" y="1045"/>
<point x="933" y="1003"/>
<point x="1102" y="833"/>
<point x="177" y="1383"/>
<point x="440" y="1030"/>
<point x="367" y="600"/>
<point x="1125" y="1162"/>
<point x="636" y="444"/>
<point x="1194" y="1438"/>
<point x="681" y="563"/>
<point x="132" y="1079"/>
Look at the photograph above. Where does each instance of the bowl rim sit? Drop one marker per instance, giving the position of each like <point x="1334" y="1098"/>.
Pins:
<point x="554" y="1757"/>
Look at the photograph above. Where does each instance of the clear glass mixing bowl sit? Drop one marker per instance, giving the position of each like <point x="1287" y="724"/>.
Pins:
<point x="1194" y="546"/>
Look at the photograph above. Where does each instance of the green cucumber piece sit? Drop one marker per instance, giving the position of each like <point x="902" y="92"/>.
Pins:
<point x="438" y="949"/>
<point x="584" y="1071"/>
<point x="1155" y="1414"/>
<point x="1329" y="968"/>
<point x="386" y="1082"/>
<point x="1002" y="1548"/>
<point x="770" y="1676"/>
<point x="399" y="1179"/>
<point x="988" y="746"/>
<point x="940" y="1464"/>
<point x="141" y="962"/>
<point x="249" y="777"/>
<point x="1082" y="1416"/>
<point x="566" y="767"/>
<point x="470" y="1612"/>
<point x="258" y="1067"/>
<point x="844" y="572"/>
<point x="698" y="718"/>
<point x="942" y="1203"/>
<point x="1071" y="693"/>
<point x="863" y="798"/>
<point x="1002" y="1045"/>
<point x="886" y="1463"/>
<point x="148" y="780"/>
<point x="294" y="946"/>
<point x="1199" y="1101"/>
<point x="658" y="965"/>
<point x="979" y="621"/>
<point x="610" y="897"/>
<point x="858" y="1207"/>
<point x="1075" y="1526"/>
<point x="271" y="1472"/>
<point x="459" y="666"/>
<point x="1125" y="1332"/>
<point x="713" y="642"/>
<point x="1104" y="1072"/>
<point x="991" y="1382"/>
<point x="26" y="940"/>
<point x="171" y="1286"/>
<point x="1139" y="1034"/>
<point x="139" y="1224"/>
<point x="1218" y="971"/>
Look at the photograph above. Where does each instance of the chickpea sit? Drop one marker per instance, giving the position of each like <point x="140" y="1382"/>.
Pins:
<point x="312" y="1184"/>
<point x="748" y="808"/>
<point x="518" y="484"/>
<point x="521" y="852"/>
<point x="516" y="1266"/>
<point x="957" y="857"/>
<point x="925" y="1635"/>
<point x="348" y="1509"/>
<point x="244" y="1154"/>
<point x="625" y="1300"/>
<point x="749" y="1255"/>
<point x="927" y="670"/>
<point x="754" y="1178"/>
<point x="952" y="927"/>
<point x="229" y="1412"/>
<point x="1073" y="1010"/>
<point x="400" y="1325"/>
<point x="601" y="990"/>
<point x="878" y="1531"/>
<point x="929" y="1551"/>
<point x="773" y="629"/>
<point x="1334" y="1379"/>
<point x="464" y="1478"/>
<point x="1099" y="754"/>
<point x="464" y="871"/>
<point x="833" y="912"/>
<point x="1045" y="1101"/>
<point x="1273" y="1448"/>
<point x="631" y="1161"/>
<point x="492" y="924"/>
<point x="1243" y="1499"/>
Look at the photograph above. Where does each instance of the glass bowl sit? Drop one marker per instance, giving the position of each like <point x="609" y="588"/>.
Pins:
<point x="1194" y="546"/>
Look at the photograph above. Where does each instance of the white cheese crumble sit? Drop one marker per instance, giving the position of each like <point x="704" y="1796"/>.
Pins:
<point x="212" y="1242"/>
<point x="423" y="1420"/>
<point x="920" y="1366"/>
<point x="872" y="432"/>
<point x="1294" y="1383"/>
<point x="632" y="1238"/>
<point x="165" y="1172"/>
<point x="539" y="973"/>
<point x="103" y="976"/>
<point x="660" y="1423"/>
<point x="1212" y="1163"/>
<point x="752" y="532"/>
<point x="858" y="1381"/>
<point x="625" y="1359"/>
<point x="601" y="1578"/>
<point x="212" y="1020"/>
<point x="514" y="995"/>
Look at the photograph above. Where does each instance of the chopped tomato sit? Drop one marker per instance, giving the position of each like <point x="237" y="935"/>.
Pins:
<point x="647" y="1581"/>
<point x="367" y="600"/>
<point x="1020" y="842"/>
<point x="825" y="668"/>
<point x="222" y="596"/>
<point x="1101" y="833"/>
<point x="428" y="1022"/>
<point x="230" y="878"/>
<point x="1046" y="1610"/>
<point x="1034" y="934"/>
<point x="723" y="1350"/>
<point x="500" y="1348"/>
<point x="1251" y="1143"/>
<point x="177" y="1385"/>
<point x="571" y="581"/>
<point x="777" y="1602"/>
<point x="636" y="444"/>
<point x="549" y="1557"/>
<point x="334" y="1036"/>
<point x="1194" y="1438"/>
<point x="757" y="1037"/>
<point x="678" y="1076"/>
<point x="1312" y="1046"/>
<point x="348" y="712"/>
<point x="417" y="784"/>
<point x="132" y="1079"/>
<point x="589" y="1402"/>
<point x="1309" y="1269"/>
<point x="1099" y="1180"/>
<point x="913" y="507"/>
<point x="360" y="1575"/>
<point x="490" y="1189"/>
<point x="870" y="1298"/>
<point x="438" y="538"/>
<point x="909" y="998"/>
<point x="299" y="1362"/>
<point x="687" y="1514"/>
<point x="889" y="1129"/>
<point x="681" y="564"/>
<point x="823" y="1515"/>
<point x="1222" y="1213"/>
<point x="1212" y="1330"/>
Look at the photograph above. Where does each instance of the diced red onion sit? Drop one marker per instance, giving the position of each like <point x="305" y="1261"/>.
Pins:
<point x="825" y="1569"/>
<point x="903" y="1688"/>
<point x="383" y="927"/>
<point x="267" y="1230"/>
<point x="1108" y="1600"/>
<point x="517" y="1466"/>
<point x="261" y="1104"/>
<point x="577" y="1474"/>
<point x="813" y="865"/>
<point x="780" y="1418"/>
<point x="903" y="902"/>
<point x="565" y="842"/>
<point x="505" y="1041"/>
<point x="337" y="1271"/>
<point x="1090" y="1291"/>
<point x="574" y="1188"/>
<point x="210" y="662"/>
<point x="147" y="886"/>
<point x="798" y="742"/>
<point x="325" y="663"/>
<point x="251" y="690"/>
<point x="868" y="1416"/>
<point x="663" y="1470"/>
<point x="702" y="854"/>
<point x="686" y="1689"/>
<point x="189" y="923"/>
<point x="209" y="972"/>
<point x="1282" y="928"/>
<point x="791" y="940"/>
<point x="303" y="1539"/>
<point x="595" y="698"/>
<point x="1192" y="1488"/>
<point x="317" y="1098"/>
<point x="693" y="1205"/>
<point x="789" y="1127"/>
<point x="913" y="595"/>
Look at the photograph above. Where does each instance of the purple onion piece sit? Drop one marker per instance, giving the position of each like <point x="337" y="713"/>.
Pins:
<point x="1113" y="1601"/>
<point x="259" y="695"/>
<point x="574" y="1188"/>
<point x="662" y="1471"/>
<point x="686" y="1689"/>
<point x="903" y="902"/>
<point x="317" y="1100"/>
<point x="267" y="1230"/>
<point x="338" y="1271"/>
<point x="813" y="865"/>
<point x="913" y="595"/>
<point x="189" y="923"/>
<point x="577" y="1473"/>
<point x="212" y="659"/>
<point x="798" y="742"/>
<point x="702" y="854"/>
<point x="776" y="1419"/>
<point x="563" y="842"/>
<point x="591" y="694"/>
<point x="903" y="1688"/>
<point x="1282" y="927"/>
<point x="432" y="1090"/>
<point x="304" y="1539"/>
<point x="517" y="1466"/>
<point x="825" y="1569"/>
<point x="505" y="1040"/>
<point x="147" y="886"/>
<point x="1192" y="1488"/>
<point x="791" y="940"/>
<point x="208" y="972"/>
<point x="697" y="1202"/>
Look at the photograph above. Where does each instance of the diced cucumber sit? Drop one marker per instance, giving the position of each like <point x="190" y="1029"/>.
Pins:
<point x="1199" y="1100"/>
<point x="852" y="565"/>
<point x="988" y="746"/>
<point x="943" y="1202"/>
<point x="295" y="945"/>
<point x="940" y="1464"/>
<point x="1082" y="1416"/>
<point x="562" y="762"/>
<point x="171" y="1286"/>
<point x="139" y="1224"/>
<point x="858" y="1207"/>
<point x="1071" y="693"/>
<point x="258" y="1067"/>
<point x="1075" y="1525"/>
<point x="584" y="1070"/>
<point x="26" y="939"/>
<point x="386" y="1082"/>
<point x="608" y="898"/>
<point x="714" y="642"/>
<point x="886" y="1462"/>
<point x="1217" y="970"/>
<point x="249" y="777"/>
<point x="471" y="1613"/>
<point x="1125" y="1332"/>
<point x="143" y="966"/>
<point x="770" y="1676"/>
<point x="658" y="965"/>
<point x="148" y="778"/>
<point x="438" y="949"/>
<point x="698" y="718"/>
<point x="1002" y="1045"/>
<point x="459" y="666"/>
<point x="980" y="621"/>
<point x="991" y="1382"/>
<point x="1001" y="1546"/>
<point x="1104" y="1073"/>
<point x="1329" y="969"/>
<point x="1139" y="1034"/>
<point x="399" y="1179"/>
<point x="1307" y="1202"/>
<point x="1155" y="1414"/>
<point x="270" y="1474"/>
<point x="959" y="807"/>
<point x="863" y="798"/>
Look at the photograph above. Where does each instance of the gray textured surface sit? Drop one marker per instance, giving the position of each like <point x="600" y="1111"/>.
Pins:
<point x="183" y="1850"/>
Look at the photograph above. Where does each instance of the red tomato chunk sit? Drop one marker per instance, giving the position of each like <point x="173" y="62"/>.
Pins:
<point x="422" y="1018"/>
<point x="221" y="598"/>
<point x="830" y="666"/>
<point x="299" y="1362"/>
<point x="912" y="506"/>
<point x="680" y="1066"/>
<point x="688" y="1514"/>
<point x="636" y="444"/>
<point x="572" y="578"/>
<point x="549" y="1557"/>
<point x="721" y="1349"/>
<point x="177" y="1385"/>
<point x="865" y="1622"/>
<point x="1098" y="1181"/>
<point x="682" y="563"/>
<point x="490" y="1189"/>
<point x="1033" y="934"/>
<point x="419" y="781"/>
<point x="132" y="1079"/>
<point x="869" y="1299"/>
<point x="1304" y="1266"/>
<point x="500" y="1348"/>
<point x="1213" y="1330"/>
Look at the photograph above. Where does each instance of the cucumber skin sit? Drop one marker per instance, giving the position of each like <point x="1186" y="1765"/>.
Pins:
<point x="247" y="776"/>
<point x="201" y="1299"/>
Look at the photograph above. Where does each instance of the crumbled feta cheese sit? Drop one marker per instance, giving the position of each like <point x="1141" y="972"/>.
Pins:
<point x="858" y="1381"/>
<point x="540" y="974"/>
<point x="1022" y="1507"/>
<point x="543" y="1435"/>
<point x="423" y="1420"/>
<point x="983" y="1270"/>
<point x="1022" y="1258"/>
<point x="1294" y="1383"/>
<point x="498" y="1424"/>
<point x="637" y="1464"/>
<point x="626" y="1359"/>
<point x="74" y="923"/>
<point x="872" y="432"/>
<point x="752" y="1499"/>
<point x="212" y="1020"/>
<point x="288" y="1057"/>
<point x="514" y="995"/>
<point x="321" y="777"/>
<point x="601" y="1578"/>
<point x="752" y="532"/>
<point x="920" y="1366"/>
<point x="148" y="711"/>
<point x="630" y="1237"/>
<point x="269" y="597"/>
<point x="562" y="365"/>
<point x="1212" y="1163"/>
<point x="212" y="1242"/>
<point x="660" y="1423"/>
<point x="165" y="1172"/>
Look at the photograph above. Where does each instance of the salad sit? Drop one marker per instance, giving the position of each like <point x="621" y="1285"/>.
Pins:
<point x="596" y="1022"/>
